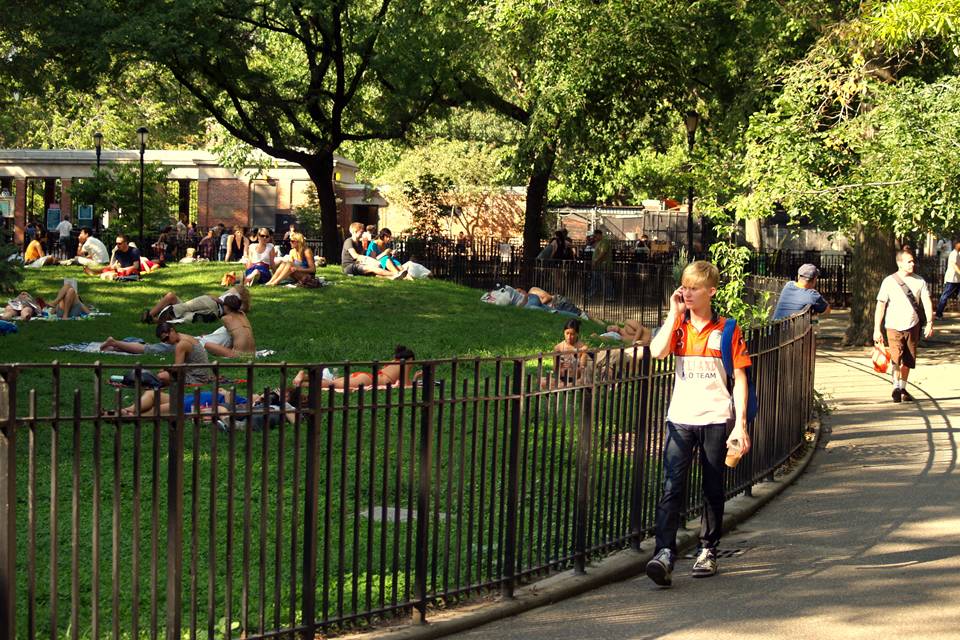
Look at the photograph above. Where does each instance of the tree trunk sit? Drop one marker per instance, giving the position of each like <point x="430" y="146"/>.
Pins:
<point x="873" y="260"/>
<point x="754" y="233"/>
<point x="537" y="200"/>
<point x="321" y="172"/>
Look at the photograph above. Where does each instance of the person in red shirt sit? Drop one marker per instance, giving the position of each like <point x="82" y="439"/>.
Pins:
<point x="700" y="409"/>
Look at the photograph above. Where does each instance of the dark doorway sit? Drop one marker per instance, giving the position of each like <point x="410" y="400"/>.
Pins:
<point x="263" y="210"/>
<point x="366" y="214"/>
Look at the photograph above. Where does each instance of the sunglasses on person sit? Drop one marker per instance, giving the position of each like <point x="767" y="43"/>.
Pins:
<point x="263" y="235"/>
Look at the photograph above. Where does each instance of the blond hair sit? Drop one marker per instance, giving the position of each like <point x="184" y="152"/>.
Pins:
<point x="356" y="226"/>
<point x="297" y="240"/>
<point x="700" y="273"/>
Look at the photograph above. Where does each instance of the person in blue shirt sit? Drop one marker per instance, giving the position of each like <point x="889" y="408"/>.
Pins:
<point x="797" y="296"/>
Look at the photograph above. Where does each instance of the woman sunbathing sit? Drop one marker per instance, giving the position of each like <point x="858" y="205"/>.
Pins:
<point x="392" y="373"/>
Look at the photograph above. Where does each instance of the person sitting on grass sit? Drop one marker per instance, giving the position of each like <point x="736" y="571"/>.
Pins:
<point x="354" y="263"/>
<point x="92" y="252"/>
<point x="187" y="350"/>
<point x="381" y="250"/>
<point x="23" y="307"/>
<point x="298" y="265"/>
<point x="35" y="257"/>
<point x="206" y="308"/>
<point x="125" y="261"/>
<point x="233" y="340"/>
<point x="572" y="360"/>
<point x="396" y="372"/>
<point x="259" y="259"/>
<point x="238" y="243"/>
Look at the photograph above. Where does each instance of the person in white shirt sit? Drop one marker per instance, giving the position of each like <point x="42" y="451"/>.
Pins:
<point x="951" y="279"/>
<point x="92" y="251"/>
<point x="903" y="314"/>
<point x="64" y="229"/>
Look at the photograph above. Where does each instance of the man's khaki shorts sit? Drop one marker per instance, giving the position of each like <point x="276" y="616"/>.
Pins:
<point x="903" y="346"/>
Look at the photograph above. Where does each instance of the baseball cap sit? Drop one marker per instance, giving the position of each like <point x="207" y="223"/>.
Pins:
<point x="808" y="272"/>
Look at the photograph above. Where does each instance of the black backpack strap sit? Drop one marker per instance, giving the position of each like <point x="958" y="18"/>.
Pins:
<point x="921" y="316"/>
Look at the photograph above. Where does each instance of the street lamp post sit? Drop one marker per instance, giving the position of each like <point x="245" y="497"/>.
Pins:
<point x="691" y="120"/>
<point x="97" y="144"/>
<point x="142" y="136"/>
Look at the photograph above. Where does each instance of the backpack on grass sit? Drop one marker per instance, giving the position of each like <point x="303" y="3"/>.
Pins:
<point x="726" y="353"/>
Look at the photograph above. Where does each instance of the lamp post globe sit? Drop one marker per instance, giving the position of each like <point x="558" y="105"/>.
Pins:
<point x="142" y="138"/>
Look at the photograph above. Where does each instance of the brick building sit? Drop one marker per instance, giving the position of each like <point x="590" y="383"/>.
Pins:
<point x="34" y="182"/>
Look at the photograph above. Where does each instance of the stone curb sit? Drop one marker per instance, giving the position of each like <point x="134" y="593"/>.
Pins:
<point x="615" y="568"/>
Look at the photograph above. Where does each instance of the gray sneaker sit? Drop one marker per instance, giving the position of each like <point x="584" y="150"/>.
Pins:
<point x="705" y="565"/>
<point x="660" y="568"/>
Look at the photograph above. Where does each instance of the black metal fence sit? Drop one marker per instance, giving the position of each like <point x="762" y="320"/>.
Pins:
<point x="264" y="519"/>
<point x="834" y="281"/>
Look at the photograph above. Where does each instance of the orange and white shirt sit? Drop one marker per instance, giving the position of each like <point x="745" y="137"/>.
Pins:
<point x="700" y="393"/>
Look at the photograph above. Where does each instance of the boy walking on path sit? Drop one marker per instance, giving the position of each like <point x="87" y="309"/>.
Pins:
<point x="701" y="407"/>
<point x="905" y="301"/>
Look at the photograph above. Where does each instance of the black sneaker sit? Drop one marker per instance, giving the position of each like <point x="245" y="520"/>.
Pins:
<point x="660" y="568"/>
<point x="146" y="318"/>
<point x="897" y="394"/>
<point x="905" y="396"/>
<point x="705" y="565"/>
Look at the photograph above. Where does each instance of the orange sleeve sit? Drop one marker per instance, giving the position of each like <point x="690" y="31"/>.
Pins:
<point x="676" y="341"/>
<point x="741" y="357"/>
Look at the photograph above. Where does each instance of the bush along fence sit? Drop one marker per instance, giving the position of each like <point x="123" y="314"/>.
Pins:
<point x="330" y="510"/>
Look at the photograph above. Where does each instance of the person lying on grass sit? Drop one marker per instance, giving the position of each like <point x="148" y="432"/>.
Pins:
<point x="206" y="308"/>
<point x="632" y="332"/>
<point x="396" y="372"/>
<point x="233" y="340"/>
<point x="572" y="362"/>
<point x="151" y="397"/>
<point x="298" y="265"/>
<point x="262" y="409"/>
<point x="23" y="307"/>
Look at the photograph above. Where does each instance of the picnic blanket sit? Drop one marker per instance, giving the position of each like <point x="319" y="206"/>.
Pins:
<point x="94" y="347"/>
<point x="7" y="327"/>
<point x="50" y="317"/>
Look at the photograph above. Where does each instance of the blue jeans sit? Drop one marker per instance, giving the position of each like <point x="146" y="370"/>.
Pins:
<point x="677" y="456"/>
<point x="950" y="289"/>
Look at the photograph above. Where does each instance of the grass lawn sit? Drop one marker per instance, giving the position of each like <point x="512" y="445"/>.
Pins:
<point x="243" y="493"/>
<point x="358" y="319"/>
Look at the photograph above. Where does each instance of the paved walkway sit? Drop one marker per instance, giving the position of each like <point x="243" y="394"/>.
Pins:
<point x="866" y="544"/>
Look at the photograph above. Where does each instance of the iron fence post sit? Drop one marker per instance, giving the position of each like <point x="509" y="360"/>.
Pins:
<point x="583" y="482"/>
<point x="513" y="488"/>
<point x="8" y="502"/>
<point x="425" y="460"/>
<point x="311" y="506"/>
<point x="642" y="418"/>
<point x="175" y="512"/>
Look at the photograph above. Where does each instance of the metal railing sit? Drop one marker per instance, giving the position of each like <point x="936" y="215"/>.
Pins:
<point x="338" y="509"/>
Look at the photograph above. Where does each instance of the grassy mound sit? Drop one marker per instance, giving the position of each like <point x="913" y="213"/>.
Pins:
<point x="357" y="319"/>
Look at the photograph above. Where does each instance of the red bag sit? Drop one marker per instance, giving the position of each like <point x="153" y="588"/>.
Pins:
<point x="880" y="357"/>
